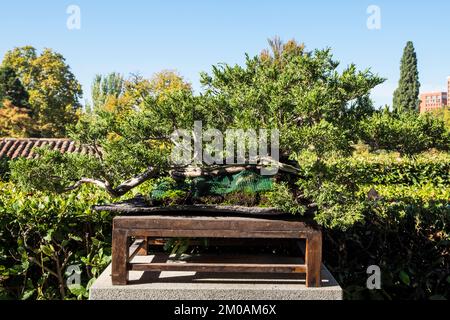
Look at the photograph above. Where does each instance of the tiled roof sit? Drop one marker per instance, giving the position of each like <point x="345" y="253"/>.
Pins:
<point x="16" y="148"/>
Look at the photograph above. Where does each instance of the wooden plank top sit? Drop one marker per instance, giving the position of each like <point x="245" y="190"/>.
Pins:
<point x="204" y="220"/>
<point x="214" y="223"/>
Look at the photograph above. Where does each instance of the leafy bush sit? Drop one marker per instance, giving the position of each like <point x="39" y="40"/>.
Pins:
<point x="41" y="235"/>
<point x="444" y="114"/>
<point x="392" y="169"/>
<point x="390" y="211"/>
<point x="4" y="169"/>
<point x="407" y="234"/>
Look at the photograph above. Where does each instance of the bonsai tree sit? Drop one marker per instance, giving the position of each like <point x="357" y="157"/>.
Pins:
<point x="300" y="93"/>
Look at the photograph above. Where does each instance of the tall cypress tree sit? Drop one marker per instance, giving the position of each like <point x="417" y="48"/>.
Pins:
<point x="406" y="97"/>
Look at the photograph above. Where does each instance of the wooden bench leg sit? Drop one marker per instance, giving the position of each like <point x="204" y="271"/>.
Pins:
<point x="313" y="259"/>
<point x="119" y="257"/>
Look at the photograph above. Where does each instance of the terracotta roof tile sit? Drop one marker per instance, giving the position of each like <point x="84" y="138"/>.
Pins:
<point x="25" y="148"/>
<point x="71" y="147"/>
<point x="6" y="145"/>
<point x="65" y="146"/>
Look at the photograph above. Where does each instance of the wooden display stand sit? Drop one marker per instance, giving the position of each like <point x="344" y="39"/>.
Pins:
<point x="142" y="228"/>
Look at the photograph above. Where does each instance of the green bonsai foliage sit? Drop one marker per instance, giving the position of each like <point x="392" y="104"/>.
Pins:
<point x="282" y="198"/>
<point x="298" y="92"/>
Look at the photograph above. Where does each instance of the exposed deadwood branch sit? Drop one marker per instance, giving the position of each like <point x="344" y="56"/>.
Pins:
<point x="268" y="161"/>
<point x="136" y="181"/>
<point x="98" y="183"/>
<point x="122" y="188"/>
<point x="187" y="172"/>
<point x="193" y="172"/>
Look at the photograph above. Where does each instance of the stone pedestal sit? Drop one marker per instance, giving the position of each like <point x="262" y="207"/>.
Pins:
<point x="214" y="286"/>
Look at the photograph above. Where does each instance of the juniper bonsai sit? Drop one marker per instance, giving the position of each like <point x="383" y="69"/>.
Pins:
<point x="300" y="93"/>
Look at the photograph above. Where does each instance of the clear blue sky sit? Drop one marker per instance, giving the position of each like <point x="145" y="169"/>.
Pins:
<point x="190" y="36"/>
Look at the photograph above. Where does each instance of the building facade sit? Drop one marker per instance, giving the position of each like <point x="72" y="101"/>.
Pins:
<point x="430" y="101"/>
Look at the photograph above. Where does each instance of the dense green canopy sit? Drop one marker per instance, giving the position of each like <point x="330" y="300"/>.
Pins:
<point x="320" y="112"/>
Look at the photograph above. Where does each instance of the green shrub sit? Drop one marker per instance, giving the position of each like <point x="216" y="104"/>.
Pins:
<point x="407" y="234"/>
<point x="397" y="217"/>
<point x="339" y="187"/>
<point x="4" y="169"/>
<point x="407" y="132"/>
<point x="41" y="235"/>
<point x="391" y="168"/>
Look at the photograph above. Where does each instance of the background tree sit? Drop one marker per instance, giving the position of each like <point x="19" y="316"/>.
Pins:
<point x="12" y="89"/>
<point x="406" y="97"/>
<point x="114" y="93"/>
<point x="161" y="85"/>
<point x="53" y="90"/>
<point x="106" y="90"/>
<point x="167" y="81"/>
<point x="15" y="120"/>
<point x="444" y="114"/>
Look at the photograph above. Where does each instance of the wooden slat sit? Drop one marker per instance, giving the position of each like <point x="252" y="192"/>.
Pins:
<point x="219" y="267"/>
<point x="209" y="223"/>
<point x="174" y="233"/>
<point x="227" y="242"/>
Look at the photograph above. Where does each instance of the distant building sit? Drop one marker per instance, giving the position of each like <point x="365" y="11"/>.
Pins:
<point x="448" y="86"/>
<point x="430" y="101"/>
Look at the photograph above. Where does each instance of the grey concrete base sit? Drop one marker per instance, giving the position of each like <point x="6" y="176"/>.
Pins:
<point x="213" y="286"/>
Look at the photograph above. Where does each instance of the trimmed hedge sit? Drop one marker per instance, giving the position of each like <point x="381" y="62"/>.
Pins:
<point x="41" y="235"/>
<point x="407" y="237"/>
<point x="405" y="230"/>
<point x="391" y="168"/>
